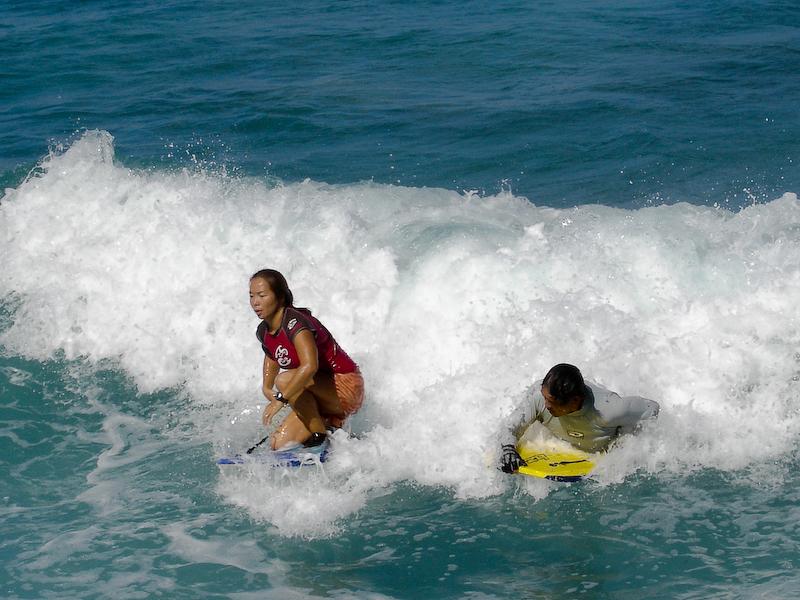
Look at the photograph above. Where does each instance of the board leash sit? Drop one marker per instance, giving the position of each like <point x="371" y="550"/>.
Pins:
<point x="250" y="450"/>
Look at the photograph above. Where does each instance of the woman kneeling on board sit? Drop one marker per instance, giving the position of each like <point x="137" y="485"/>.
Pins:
<point x="312" y="373"/>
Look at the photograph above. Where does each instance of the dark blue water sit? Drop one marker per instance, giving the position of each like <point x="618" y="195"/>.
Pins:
<point x="620" y="103"/>
<point x="466" y="194"/>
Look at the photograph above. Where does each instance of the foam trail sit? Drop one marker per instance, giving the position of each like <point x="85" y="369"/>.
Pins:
<point x="452" y="304"/>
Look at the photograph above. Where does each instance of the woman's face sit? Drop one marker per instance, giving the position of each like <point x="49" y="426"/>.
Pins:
<point x="262" y="298"/>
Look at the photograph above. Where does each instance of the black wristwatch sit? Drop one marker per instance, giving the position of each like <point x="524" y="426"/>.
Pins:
<point x="280" y="398"/>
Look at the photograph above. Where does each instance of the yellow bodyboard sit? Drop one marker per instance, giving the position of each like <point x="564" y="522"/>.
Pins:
<point x="558" y="465"/>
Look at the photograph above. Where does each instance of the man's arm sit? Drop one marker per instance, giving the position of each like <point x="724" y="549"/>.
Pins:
<point x="633" y="411"/>
<point x="521" y="419"/>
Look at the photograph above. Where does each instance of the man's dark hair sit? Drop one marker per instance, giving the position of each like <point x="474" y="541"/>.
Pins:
<point x="564" y="382"/>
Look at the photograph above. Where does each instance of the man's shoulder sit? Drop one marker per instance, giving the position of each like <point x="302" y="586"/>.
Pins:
<point x="535" y="394"/>
<point x="535" y="389"/>
<point x="599" y="393"/>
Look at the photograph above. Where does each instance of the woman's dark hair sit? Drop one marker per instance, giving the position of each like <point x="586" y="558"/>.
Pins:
<point x="564" y="382"/>
<point x="277" y="283"/>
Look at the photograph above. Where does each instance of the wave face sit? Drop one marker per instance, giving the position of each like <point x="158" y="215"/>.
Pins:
<point x="453" y="304"/>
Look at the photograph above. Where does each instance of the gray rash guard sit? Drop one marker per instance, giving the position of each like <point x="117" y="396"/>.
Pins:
<point x="604" y="416"/>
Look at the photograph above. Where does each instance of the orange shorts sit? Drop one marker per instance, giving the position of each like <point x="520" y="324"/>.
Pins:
<point x="350" y="392"/>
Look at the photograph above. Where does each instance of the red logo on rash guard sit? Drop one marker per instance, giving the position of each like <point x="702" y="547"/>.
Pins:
<point x="282" y="357"/>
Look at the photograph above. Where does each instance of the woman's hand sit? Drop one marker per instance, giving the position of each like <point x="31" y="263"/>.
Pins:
<point x="271" y="410"/>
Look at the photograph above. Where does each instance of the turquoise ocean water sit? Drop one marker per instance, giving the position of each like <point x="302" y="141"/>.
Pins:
<point x="466" y="194"/>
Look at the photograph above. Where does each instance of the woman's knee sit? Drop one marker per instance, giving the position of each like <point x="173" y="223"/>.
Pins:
<point x="284" y="378"/>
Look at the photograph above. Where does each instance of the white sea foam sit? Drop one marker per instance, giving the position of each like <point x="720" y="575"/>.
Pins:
<point x="451" y="303"/>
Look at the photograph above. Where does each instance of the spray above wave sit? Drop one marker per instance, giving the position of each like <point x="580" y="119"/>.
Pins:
<point x="452" y="304"/>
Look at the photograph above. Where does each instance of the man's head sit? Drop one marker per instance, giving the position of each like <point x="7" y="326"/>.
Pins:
<point x="563" y="390"/>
